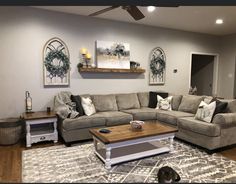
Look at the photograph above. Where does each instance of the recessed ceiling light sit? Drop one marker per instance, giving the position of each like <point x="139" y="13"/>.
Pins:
<point x="151" y="8"/>
<point x="219" y="21"/>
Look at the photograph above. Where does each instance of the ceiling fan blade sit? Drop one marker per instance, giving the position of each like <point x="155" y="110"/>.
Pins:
<point x="134" y="12"/>
<point x="103" y="10"/>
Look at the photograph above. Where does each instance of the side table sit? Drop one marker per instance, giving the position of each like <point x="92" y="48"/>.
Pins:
<point x="40" y="126"/>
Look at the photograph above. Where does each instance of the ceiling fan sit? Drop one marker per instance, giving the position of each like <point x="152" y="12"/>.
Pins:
<point x="132" y="10"/>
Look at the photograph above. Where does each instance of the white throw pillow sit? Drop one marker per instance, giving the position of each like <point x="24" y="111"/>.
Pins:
<point x="205" y="111"/>
<point x="164" y="104"/>
<point x="88" y="106"/>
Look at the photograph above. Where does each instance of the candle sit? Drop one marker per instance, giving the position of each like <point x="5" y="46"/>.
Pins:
<point x="83" y="51"/>
<point x="88" y="56"/>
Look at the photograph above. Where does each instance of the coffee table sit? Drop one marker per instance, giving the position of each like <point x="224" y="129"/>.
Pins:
<point x="124" y="144"/>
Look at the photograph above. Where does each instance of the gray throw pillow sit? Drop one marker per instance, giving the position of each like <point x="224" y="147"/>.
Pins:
<point x="189" y="103"/>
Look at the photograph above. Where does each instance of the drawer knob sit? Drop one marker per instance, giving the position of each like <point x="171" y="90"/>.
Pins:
<point x="42" y="138"/>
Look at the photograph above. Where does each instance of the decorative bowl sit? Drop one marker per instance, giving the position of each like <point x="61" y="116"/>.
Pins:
<point x="136" y="125"/>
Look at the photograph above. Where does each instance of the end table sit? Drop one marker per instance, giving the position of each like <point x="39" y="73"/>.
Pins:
<point x="40" y="126"/>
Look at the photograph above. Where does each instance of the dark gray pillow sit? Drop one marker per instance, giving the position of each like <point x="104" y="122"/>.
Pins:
<point x="79" y="107"/>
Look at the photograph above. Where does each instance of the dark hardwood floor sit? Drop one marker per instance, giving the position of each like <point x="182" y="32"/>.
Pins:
<point x="10" y="159"/>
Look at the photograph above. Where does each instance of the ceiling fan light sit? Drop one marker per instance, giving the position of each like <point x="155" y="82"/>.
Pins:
<point x="151" y="8"/>
<point x="219" y="21"/>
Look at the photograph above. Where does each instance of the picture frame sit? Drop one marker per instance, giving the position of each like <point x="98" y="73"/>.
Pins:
<point x="56" y="64"/>
<point x="157" y="67"/>
<point x="112" y="54"/>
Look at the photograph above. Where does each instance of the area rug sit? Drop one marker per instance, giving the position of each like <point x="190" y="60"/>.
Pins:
<point x="78" y="163"/>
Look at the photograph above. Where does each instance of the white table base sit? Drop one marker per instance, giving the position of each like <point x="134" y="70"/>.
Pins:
<point x="129" y="150"/>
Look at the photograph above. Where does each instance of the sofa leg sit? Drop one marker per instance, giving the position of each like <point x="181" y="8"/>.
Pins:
<point x="68" y="144"/>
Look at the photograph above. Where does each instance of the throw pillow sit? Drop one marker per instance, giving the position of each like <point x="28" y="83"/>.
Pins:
<point x="205" y="111"/>
<point x="153" y="98"/>
<point x="88" y="106"/>
<point x="77" y="100"/>
<point x="220" y="107"/>
<point x="164" y="104"/>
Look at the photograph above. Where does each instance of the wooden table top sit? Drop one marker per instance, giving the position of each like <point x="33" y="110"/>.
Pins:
<point x="124" y="132"/>
<point x="39" y="115"/>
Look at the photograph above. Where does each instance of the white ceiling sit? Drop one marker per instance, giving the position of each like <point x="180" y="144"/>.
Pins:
<point x="189" y="18"/>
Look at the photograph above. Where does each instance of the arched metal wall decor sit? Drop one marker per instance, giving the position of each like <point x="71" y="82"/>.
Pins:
<point x="56" y="63"/>
<point x="157" y="66"/>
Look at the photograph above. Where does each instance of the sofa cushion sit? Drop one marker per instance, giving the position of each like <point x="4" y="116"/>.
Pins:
<point x="127" y="101"/>
<point x="153" y="98"/>
<point x="143" y="113"/>
<point x="176" y="100"/>
<point x="171" y="116"/>
<point x="94" y="120"/>
<point x="116" y="118"/>
<point x="190" y="103"/>
<point x="104" y="102"/>
<point x="143" y="98"/>
<point x="200" y="127"/>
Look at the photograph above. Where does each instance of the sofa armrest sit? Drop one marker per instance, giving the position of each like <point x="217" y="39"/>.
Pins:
<point x="225" y="120"/>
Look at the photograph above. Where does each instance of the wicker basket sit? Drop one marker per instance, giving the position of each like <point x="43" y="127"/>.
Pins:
<point x="10" y="131"/>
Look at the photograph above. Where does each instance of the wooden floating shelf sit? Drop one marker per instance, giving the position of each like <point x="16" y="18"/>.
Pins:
<point x="111" y="70"/>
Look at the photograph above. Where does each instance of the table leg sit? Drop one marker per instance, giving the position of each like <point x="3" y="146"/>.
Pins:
<point x="55" y="132"/>
<point x="28" y="139"/>
<point x="108" y="158"/>
<point x="95" y="142"/>
<point x="171" y="143"/>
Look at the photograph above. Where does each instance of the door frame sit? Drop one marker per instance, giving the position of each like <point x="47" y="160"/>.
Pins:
<point x="215" y="70"/>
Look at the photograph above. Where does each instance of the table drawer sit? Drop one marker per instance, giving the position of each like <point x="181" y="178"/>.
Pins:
<point x="47" y="137"/>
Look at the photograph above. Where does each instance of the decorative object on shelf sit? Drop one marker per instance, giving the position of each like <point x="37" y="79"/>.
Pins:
<point x="136" y="125"/>
<point x="134" y="65"/>
<point x="86" y="57"/>
<point x="157" y="66"/>
<point x="28" y="102"/>
<point x="113" y="55"/>
<point x="56" y="63"/>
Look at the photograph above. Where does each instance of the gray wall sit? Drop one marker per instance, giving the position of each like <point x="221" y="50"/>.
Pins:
<point x="25" y="30"/>
<point x="227" y="66"/>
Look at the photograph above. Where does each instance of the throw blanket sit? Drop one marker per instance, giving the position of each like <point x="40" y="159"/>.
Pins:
<point x="64" y="106"/>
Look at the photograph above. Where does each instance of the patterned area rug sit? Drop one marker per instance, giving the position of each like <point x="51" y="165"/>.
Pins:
<point x="80" y="164"/>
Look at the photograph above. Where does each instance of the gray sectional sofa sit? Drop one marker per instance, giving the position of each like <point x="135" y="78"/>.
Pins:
<point x="117" y="109"/>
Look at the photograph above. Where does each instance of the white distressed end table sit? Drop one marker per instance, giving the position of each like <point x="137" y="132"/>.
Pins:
<point x="124" y="144"/>
<point x="40" y="126"/>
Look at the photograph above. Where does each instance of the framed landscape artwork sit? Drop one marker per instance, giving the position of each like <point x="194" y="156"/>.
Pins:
<point x="112" y="55"/>
<point x="56" y="63"/>
<point x="157" y="67"/>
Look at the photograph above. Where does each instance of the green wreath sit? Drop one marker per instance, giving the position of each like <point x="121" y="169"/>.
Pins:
<point x="157" y="71"/>
<point x="57" y="70"/>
